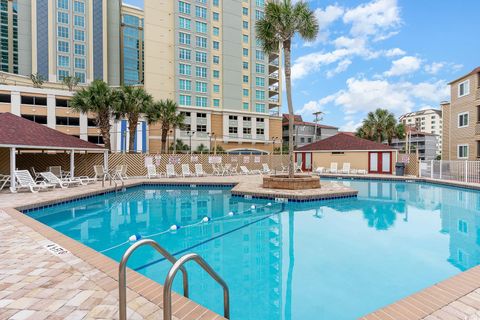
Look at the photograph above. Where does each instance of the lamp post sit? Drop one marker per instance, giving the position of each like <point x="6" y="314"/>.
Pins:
<point x="190" y="134"/>
<point x="210" y="135"/>
<point x="317" y="118"/>
<point x="168" y="146"/>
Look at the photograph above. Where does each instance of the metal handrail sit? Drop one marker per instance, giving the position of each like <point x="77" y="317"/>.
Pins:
<point x="122" y="271"/>
<point x="167" y="286"/>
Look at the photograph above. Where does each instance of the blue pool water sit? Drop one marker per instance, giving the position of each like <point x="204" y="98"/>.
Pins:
<point x="337" y="259"/>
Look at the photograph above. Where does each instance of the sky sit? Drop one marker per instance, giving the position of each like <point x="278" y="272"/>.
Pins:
<point x="394" y="54"/>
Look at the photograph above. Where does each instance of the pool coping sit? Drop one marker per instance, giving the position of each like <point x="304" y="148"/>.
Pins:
<point x="415" y="306"/>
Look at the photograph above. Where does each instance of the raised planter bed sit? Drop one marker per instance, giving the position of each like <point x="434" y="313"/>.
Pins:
<point x="299" y="182"/>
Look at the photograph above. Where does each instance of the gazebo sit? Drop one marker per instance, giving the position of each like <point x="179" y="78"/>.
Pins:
<point x="17" y="133"/>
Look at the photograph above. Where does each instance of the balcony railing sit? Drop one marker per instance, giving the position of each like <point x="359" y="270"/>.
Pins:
<point x="273" y="100"/>
<point x="273" y="75"/>
<point x="273" y="88"/>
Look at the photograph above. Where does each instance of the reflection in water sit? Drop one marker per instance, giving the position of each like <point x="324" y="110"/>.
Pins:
<point x="318" y="260"/>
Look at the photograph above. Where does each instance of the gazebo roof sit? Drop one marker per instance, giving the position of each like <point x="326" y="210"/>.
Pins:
<point x="17" y="132"/>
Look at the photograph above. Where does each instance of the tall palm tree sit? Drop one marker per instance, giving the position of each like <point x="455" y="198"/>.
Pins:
<point x="378" y="126"/>
<point x="282" y="21"/>
<point x="165" y="113"/>
<point x="100" y="99"/>
<point x="132" y="102"/>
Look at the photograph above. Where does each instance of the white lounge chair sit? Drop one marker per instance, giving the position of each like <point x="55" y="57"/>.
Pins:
<point x="217" y="170"/>
<point x="333" y="168"/>
<point x="298" y="167"/>
<point x="199" y="170"/>
<point x="234" y="169"/>
<point x="171" y="171"/>
<point x="186" y="170"/>
<point x="50" y="178"/>
<point x="4" y="179"/>
<point x="35" y="174"/>
<point x="346" y="168"/>
<point x="122" y="171"/>
<point x="152" y="172"/>
<point x="100" y="173"/>
<point x="265" y="168"/>
<point x="57" y="170"/>
<point x="25" y="181"/>
<point x="320" y="170"/>
<point x="245" y="171"/>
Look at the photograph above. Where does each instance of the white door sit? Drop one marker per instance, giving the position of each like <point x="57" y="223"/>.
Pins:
<point x="373" y="162"/>
<point x="386" y="162"/>
<point x="308" y="161"/>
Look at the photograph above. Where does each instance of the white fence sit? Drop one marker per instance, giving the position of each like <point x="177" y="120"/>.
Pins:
<point x="464" y="171"/>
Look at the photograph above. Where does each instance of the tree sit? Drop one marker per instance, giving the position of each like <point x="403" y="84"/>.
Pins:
<point x="70" y="82"/>
<point x="132" y="102"/>
<point x="100" y="99"/>
<point x="281" y="22"/>
<point x="179" y="146"/>
<point x="201" y="149"/>
<point x="217" y="149"/>
<point x="37" y="79"/>
<point x="165" y="113"/>
<point x="381" y="125"/>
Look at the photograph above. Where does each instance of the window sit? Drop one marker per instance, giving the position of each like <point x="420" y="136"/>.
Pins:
<point x="201" y="87"/>
<point x="62" y="17"/>
<point x="245" y="106"/>
<point x="247" y="130"/>
<point x="200" y="57"/>
<point x="302" y="140"/>
<point x="201" y="72"/>
<point x="79" y="35"/>
<point x="463" y="120"/>
<point x="260" y="94"/>
<point x="201" y="101"/>
<point x="478" y="149"/>
<point x="260" y="120"/>
<point x="79" y="21"/>
<point x="260" y="55"/>
<point x="184" y="54"/>
<point x="61" y="102"/>
<point x="231" y="117"/>
<point x="260" y="107"/>
<point x="259" y="14"/>
<point x="62" y="74"/>
<point x="216" y="88"/>
<point x="185" y="23"/>
<point x="95" y="139"/>
<point x="201" y="128"/>
<point x="216" y="3"/>
<point x="62" y="4"/>
<point x="185" y="100"/>
<point x="216" y="59"/>
<point x="63" y="46"/>
<point x="245" y="11"/>
<point x="245" y="52"/>
<point x="259" y="68"/>
<point x="62" y="32"/>
<point x="91" y="122"/>
<point x="216" y="45"/>
<point x="462" y="226"/>
<point x="260" y="3"/>
<point x="216" y="16"/>
<point x="216" y="102"/>
<point x="186" y="114"/>
<point x="38" y="101"/>
<point x="260" y="82"/>
<point x="478" y="114"/>
<point x="67" y="121"/>
<point x="245" y="24"/>
<point x="200" y="27"/>
<point x="5" y="98"/>
<point x="216" y="31"/>
<point x="183" y="7"/>
<point x="201" y="12"/>
<point x="232" y="130"/>
<point x="464" y="88"/>
<point x="201" y="42"/>
<point x="245" y="65"/>
<point x="81" y="76"/>
<point x="245" y="79"/>
<point x="260" y="131"/>
<point x="35" y="118"/>
<point x="185" y="85"/>
<point x="185" y="69"/>
<point x="201" y="115"/>
<point x="79" y="7"/>
<point x="80" y="49"/>
<point x="462" y="151"/>
<point x="245" y="38"/>
<point x="184" y="38"/>
<point x="216" y="74"/>
<point x="245" y="92"/>
<point x="63" y="61"/>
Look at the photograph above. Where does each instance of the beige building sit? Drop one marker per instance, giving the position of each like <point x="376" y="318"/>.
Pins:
<point x="205" y="56"/>
<point x="461" y="128"/>
<point x="426" y="121"/>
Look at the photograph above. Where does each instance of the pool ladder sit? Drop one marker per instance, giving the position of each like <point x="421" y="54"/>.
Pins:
<point x="167" y="287"/>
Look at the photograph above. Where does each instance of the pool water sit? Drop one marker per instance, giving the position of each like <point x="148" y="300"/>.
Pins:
<point x="337" y="259"/>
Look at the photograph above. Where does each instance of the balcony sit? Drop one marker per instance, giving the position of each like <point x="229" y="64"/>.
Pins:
<point x="273" y="75"/>
<point x="273" y="100"/>
<point x="273" y="89"/>
<point x="273" y="63"/>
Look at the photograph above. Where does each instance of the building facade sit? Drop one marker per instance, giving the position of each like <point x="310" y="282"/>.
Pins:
<point x="426" y="144"/>
<point x="461" y="129"/>
<point x="204" y="55"/>
<point x="305" y="132"/>
<point x="132" y="45"/>
<point x="428" y="121"/>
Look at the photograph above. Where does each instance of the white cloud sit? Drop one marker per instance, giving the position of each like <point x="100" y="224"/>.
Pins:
<point x="341" y="67"/>
<point x="434" y="67"/>
<point x="350" y="126"/>
<point x="394" y="52"/>
<point x="325" y="18"/>
<point x="312" y="62"/>
<point x="402" y="66"/>
<point x="314" y="106"/>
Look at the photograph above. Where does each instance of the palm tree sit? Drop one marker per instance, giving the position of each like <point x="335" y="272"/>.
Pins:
<point x="132" y="102"/>
<point x="100" y="99"/>
<point x="201" y="149"/>
<point x="378" y="126"/>
<point x="37" y="80"/>
<point x="70" y="82"/>
<point x="282" y="21"/>
<point x="179" y="146"/>
<point x="165" y="113"/>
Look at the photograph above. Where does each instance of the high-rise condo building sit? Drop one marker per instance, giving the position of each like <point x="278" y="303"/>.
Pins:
<point x="204" y="54"/>
<point x="132" y="53"/>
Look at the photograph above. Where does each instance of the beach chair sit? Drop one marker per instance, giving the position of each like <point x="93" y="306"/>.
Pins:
<point x="265" y="168"/>
<point x="121" y="171"/>
<point x="298" y="167"/>
<point x="199" y="170"/>
<point x="333" y="167"/>
<point x="100" y="173"/>
<point x="50" y="178"/>
<point x="171" y="171"/>
<point x="57" y="170"/>
<point x="25" y="181"/>
<point x="4" y="179"/>
<point x="346" y="168"/>
<point x="186" y="170"/>
<point x="35" y="174"/>
<point x="217" y="170"/>
<point x="234" y="169"/>
<point x="320" y="170"/>
<point x="152" y="172"/>
<point x="245" y="171"/>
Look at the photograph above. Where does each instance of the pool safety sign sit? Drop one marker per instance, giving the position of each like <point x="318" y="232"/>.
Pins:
<point x="56" y="249"/>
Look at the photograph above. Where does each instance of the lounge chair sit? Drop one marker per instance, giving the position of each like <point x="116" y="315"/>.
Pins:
<point x="199" y="170"/>
<point x="101" y="173"/>
<point x="35" y="174"/>
<point x="171" y="171"/>
<point x="186" y="170"/>
<point x="152" y="172"/>
<point x="333" y="168"/>
<point x="265" y="169"/>
<point x="122" y="171"/>
<point x="50" y="178"/>
<point x="346" y="168"/>
<point x="4" y="179"/>
<point x="234" y="169"/>
<point x="25" y="181"/>
<point x="320" y="170"/>
<point x="298" y="167"/>
<point x="245" y="171"/>
<point x="57" y="170"/>
<point x="217" y="170"/>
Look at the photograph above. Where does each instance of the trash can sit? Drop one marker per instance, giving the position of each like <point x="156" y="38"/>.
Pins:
<point x="400" y="169"/>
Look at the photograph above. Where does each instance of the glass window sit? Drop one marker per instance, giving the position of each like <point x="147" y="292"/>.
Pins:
<point x="260" y="3"/>
<point x="260" y="94"/>
<point x="184" y="38"/>
<point x="79" y="35"/>
<point x="200" y="27"/>
<point x="200" y="57"/>
<point x="184" y="54"/>
<point x="260" y="107"/>
<point x="216" y="88"/>
<point x="216" y="3"/>
<point x="464" y="88"/>
<point x="245" y="79"/>
<point x="185" y="100"/>
<point x="245" y="11"/>
<point x="79" y="7"/>
<point x="184" y="23"/>
<point x="259" y="68"/>
<point x="201" y="42"/>
<point x="64" y="61"/>
<point x="260" y="55"/>
<point x="201" y="101"/>
<point x="245" y="24"/>
<point x="216" y="16"/>
<point x="185" y="85"/>
<point x="216" y="74"/>
<point x="62" y="74"/>
<point x="245" y="65"/>
<point x="80" y="63"/>
<point x="260" y="131"/>
<point x="245" y="92"/>
<point x="62" y="17"/>
<point x="62" y="4"/>
<point x="463" y="120"/>
<point x="63" y="46"/>
<point x="245" y="38"/>
<point x="216" y="45"/>
<point x="201" y="87"/>
<point x="79" y="21"/>
<point x="259" y="14"/>
<point x="81" y="76"/>
<point x="245" y="52"/>
<point x="216" y="31"/>
<point x="216" y="103"/>
<point x="259" y="82"/>
<point x="201" y="12"/>
<point x="462" y="151"/>
<point x="183" y="7"/>
<point x="201" y="72"/>
<point x="62" y="32"/>
<point x="245" y="106"/>
<point x="80" y="49"/>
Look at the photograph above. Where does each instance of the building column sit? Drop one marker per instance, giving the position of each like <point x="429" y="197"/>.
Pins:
<point x="72" y="164"/>
<point x="12" y="170"/>
<point x="15" y="103"/>
<point x="83" y="119"/>
<point x="51" y="105"/>
<point x="105" y="160"/>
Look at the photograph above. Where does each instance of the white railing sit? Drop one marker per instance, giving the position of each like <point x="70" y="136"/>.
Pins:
<point x="463" y="171"/>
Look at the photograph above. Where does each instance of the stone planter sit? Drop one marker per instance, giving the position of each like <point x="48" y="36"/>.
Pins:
<point x="299" y="182"/>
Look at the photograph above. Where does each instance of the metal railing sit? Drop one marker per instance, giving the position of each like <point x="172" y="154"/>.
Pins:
<point x="167" y="287"/>
<point x="459" y="170"/>
<point x="122" y="273"/>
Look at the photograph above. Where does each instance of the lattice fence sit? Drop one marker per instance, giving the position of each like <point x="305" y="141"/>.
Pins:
<point x="411" y="163"/>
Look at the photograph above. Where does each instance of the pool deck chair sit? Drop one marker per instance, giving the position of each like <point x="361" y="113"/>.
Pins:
<point x="265" y="168"/>
<point x="122" y="171"/>
<point x="50" y="178"/>
<point x="186" y="170"/>
<point x="152" y="172"/>
<point x="217" y="170"/>
<point x="4" y="179"/>
<point x="100" y="173"/>
<point x="333" y="168"/>
<point x="171" y="171"/>
<point x="320" y="170"/>
<point x="245" y="171"/>
<point x="345" y="168"/>
<point x="199" y="170"/>
<point x="25" y="181"/>
<point x="298" y="167"/>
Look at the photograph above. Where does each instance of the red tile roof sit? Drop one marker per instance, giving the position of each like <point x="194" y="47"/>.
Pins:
<point x="19" y="132"/>
<point x="342" y="142"/>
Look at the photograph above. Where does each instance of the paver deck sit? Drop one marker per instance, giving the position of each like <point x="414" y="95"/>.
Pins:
<point x="36" y="283"/>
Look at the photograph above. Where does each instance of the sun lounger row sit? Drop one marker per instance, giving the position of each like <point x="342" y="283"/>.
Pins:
<point x="346" y="169"/>
<point x="200" y="172"/>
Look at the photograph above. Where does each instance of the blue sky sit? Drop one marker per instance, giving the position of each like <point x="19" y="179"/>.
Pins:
<point x="393" y="54"/>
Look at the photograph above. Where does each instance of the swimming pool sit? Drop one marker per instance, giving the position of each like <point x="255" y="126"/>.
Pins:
<point x="337" y="259"/>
